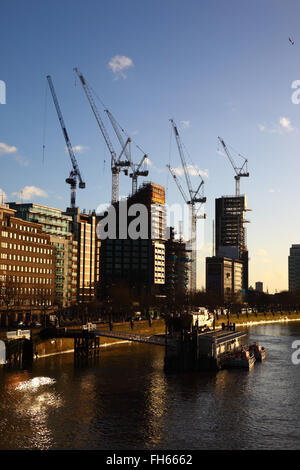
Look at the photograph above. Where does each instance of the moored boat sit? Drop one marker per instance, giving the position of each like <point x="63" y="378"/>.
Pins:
<point x="241" y="358"/>
<point x="258" y="351"/>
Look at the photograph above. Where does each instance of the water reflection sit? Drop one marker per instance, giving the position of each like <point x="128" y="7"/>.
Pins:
<point x="126" y="401"/>
<point x="25" y="409"/>
<point x="35" y="383"/>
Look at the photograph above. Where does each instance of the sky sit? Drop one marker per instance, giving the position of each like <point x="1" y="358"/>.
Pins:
<point x="217" y="68"/>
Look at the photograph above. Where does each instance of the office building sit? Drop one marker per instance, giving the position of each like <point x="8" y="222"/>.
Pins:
<point x="59" y="226"/>
<point x="88" y="246"/>
<point x="259" y="286"/>
<point x="294" y="268"/>
<point x="224" y="279"/>
<point x="27" y="265"/>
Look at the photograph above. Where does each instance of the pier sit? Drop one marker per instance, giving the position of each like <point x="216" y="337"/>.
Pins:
<point x="184" y="350"/>
<point x="198" y="350"/>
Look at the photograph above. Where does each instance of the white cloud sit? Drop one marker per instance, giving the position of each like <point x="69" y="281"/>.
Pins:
<point x="219" y="152"/>
<point x="118" y="64"/>
<point x="7" y="149"/>
<point x="30" y="192"/>
<point x="272" y="190"/>
<point x="21" y="160"/>
<point x="148" y="161"/>
<point x="3" y="196"/>
<point x="193" y="170"/>
<point x="284" y="125"/>
<point x="79" y="148"/>
<point x="185" y="124"/>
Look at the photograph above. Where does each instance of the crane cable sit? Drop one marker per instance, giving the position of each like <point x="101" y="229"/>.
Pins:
<point x="170" y="153"/>
<point x="120" y="127"/>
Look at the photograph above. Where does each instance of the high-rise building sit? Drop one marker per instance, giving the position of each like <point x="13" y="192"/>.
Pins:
<point x="27" y="265"/>
<point x="84" y="230"/>
<point x="294" y="268"/>
<point x="230" y="234"/>
<point x="224" y="279"/>
<point x="58" y="225"/>
<point x="136" y="260"/>
<point x="259" y="286"/>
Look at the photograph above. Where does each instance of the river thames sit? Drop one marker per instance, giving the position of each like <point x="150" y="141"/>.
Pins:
<point x="127" y="401"/>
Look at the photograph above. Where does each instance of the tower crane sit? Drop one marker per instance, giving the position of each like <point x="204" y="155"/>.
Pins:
<point x="135" y="167"/>
<point x="116" y="163"/>
<point x="191" y="199"/>
<point x="240" y="172"/>
<point x="75" y="173"/>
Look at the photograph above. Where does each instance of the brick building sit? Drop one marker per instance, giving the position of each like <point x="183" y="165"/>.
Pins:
<point x="27" y="264"/>
<point x="59" y="226"/>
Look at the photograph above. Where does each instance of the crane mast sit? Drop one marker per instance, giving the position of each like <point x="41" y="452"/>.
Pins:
<point x="116" y="163"/>
<point x="240" y="172"/>
<point x="75" y="173"/>
<point x="192" y="199"/>
<point x="137" y="172"/>
<point x="135" y="168"/>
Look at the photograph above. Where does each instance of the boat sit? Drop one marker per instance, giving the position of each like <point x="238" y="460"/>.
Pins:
<point x="258" y="351"/>
<point x="202" y="317"/>
<point x="241" y="358"/>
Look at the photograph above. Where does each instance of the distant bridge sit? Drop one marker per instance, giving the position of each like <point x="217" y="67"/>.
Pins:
<point x="157" y="340"/>
<point x="87" y="343"/>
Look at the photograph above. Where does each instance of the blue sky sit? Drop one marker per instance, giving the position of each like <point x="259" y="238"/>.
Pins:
<point x="226" y="68"/>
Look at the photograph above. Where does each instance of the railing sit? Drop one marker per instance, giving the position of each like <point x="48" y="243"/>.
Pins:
<point x="155" y="340"/>
<point x="158" y="341"/>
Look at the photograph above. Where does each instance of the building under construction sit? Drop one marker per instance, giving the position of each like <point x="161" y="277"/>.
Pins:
<point x="230" y="235"/>
<point x="136" y="263"/>
<point x="227" y="269"/>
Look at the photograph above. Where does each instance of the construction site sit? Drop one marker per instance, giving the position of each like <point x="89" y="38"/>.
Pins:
<point x="141" y="260"/>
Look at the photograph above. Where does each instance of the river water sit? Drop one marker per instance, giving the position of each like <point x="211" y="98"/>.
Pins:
<point x="126" y="401"/>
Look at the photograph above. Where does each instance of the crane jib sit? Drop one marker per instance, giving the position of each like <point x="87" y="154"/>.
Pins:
<point x="66" y="134"/>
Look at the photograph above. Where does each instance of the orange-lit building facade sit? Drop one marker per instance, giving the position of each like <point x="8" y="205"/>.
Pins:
<point x="27" y="264"/>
